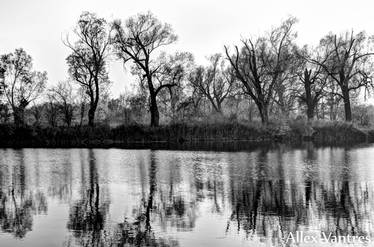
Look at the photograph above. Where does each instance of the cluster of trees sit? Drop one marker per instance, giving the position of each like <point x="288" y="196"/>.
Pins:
<point x="268" y="76"/>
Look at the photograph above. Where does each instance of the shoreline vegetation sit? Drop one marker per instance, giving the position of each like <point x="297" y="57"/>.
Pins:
<point x="197" y="136"/>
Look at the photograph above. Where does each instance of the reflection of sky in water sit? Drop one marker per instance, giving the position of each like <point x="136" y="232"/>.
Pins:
<point x="56" y="197"/>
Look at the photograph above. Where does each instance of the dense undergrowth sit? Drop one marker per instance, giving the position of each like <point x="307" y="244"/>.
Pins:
<point x="320" y="132"/>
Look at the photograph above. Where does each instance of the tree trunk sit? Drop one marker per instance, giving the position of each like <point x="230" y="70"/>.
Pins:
<point x="310" y="111"/>
<point x="308" y="95"/>
<point x="67" y="114"/>
<point x="91" y="116"/>
<point x="216" y="105"/>
<point x="155" y="117"/>
<point x="311" y="105"/>
<point x="218" y="109"/>
<point x="264" y="114"/>
<point x="68" y="119"/>
<point x="347" y="104"/>
<point x="19" y="116"/>
<point x="153" y="108"/>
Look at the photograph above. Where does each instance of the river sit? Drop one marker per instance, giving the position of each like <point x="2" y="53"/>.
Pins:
<point x="117" y="197"/>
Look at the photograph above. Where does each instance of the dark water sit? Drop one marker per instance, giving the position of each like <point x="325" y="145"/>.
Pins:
<point x="113" y="197"/>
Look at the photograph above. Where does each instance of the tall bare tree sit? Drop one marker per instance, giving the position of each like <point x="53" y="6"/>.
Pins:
<point x="260" y="65"/>
<point x="21" y="84"/>
<point x="137" y="41"/>
<point x="348" y="64"/>
<point x="216" y="82"/>
<point x="87" y="62"/>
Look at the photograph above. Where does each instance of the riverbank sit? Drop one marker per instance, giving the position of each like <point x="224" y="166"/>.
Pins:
<point x="229" y="134"/>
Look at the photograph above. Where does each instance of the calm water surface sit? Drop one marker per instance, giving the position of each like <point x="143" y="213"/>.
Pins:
<point x="113" y="197"/>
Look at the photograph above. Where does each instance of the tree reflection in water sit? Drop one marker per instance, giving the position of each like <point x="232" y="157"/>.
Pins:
<point x="87" y="215"/>
<point x="168" y="195"/>
<point x="266" y="201"/>
<point x="272" y="208"/>
<point x="18" y="204"/>
<point x="140" y="232"/>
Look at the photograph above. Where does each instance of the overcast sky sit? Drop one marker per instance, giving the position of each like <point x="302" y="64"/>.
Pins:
<point x="203" y="27"/>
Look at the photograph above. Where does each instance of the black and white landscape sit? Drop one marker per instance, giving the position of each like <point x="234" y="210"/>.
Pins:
<point x="186" y="123"/>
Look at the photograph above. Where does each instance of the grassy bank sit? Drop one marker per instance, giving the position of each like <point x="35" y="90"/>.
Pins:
<point x="328" y="133"/>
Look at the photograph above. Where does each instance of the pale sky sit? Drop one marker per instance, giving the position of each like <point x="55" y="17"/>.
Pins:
<point x="202" y="26"/>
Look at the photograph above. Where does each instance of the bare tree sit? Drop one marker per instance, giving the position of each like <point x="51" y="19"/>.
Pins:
<point x="137" y="41"/>
<point x="333" y="100"/>
<point x="190" y="106"/>
<point x="260" y="65"/>
<point x="52" y="110"/>
<point x="63" y="95"/>
<point x="312" y="78"/>
<point x="21" y="84"/>
<point x="174" y="70"/>
<point x="215" y="82"/>
<point x="87" y="62"/>
<point x="347" y="64"/>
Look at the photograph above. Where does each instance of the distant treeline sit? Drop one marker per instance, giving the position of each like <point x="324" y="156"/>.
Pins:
<point x="268" y="79"/>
